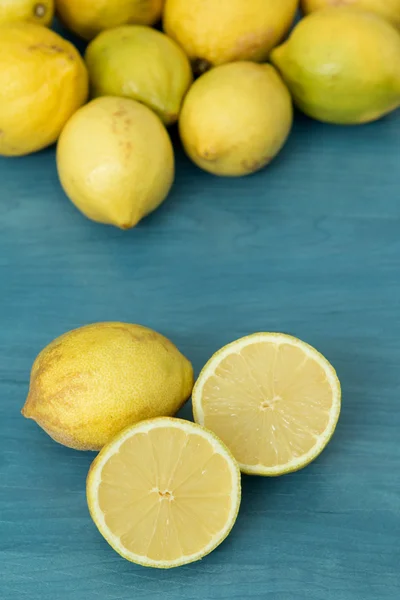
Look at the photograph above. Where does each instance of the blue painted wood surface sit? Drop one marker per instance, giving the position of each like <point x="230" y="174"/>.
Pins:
<point x="309" y="246"/>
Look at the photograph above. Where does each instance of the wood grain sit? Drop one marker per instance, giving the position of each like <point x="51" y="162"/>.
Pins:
<point x="310" y="246"/>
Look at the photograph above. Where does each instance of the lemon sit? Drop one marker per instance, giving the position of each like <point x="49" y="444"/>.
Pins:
<point x="33" y="11"/>
<point x="236" y="118"/>
<point x="115" y="161"/>
<point x="273" y="399"/>
<point x="341" y="65"/>
<point x="90" y="383"/>
<point x="43" y="81"/>
<point x="213" y="33"/>
<point x="140" y="63"/>
<point x="389" y="9"/>
<point x="164" y="493"/>
<point x="87" y="18"/>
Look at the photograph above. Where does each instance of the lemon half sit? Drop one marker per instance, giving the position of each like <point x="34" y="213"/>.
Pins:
<point x="164" y="493"/>
<point x="273" y="399"/>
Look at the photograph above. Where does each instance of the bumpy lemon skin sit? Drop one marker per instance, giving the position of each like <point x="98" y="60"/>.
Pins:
<point x="92" y="382"/>
<point x="43" y="81"/>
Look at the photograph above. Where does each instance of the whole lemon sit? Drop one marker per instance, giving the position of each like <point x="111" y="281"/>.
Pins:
<point x="213" y="33"/>
<point x="33" y="11"/>
<point x="87" y="18"/>
<point x="115" y="161"/>
<point x="236" y="118"/>
<point x="92" y="382"/>
<point x="389" y="9"/>
<point x="141" y="63"/>
<point x="43" y="81"/>
<point x="342" y="65"/>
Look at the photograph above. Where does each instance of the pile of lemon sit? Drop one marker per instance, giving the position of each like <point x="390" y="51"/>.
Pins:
<point x="221" y="70"/>
<point x="165" y="491"/>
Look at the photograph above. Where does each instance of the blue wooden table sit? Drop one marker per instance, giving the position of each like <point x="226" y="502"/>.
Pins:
<point x="310" y="246"/>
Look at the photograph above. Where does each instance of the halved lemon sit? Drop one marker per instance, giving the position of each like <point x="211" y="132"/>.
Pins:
<point x="164" y="493"/>
<point x="273" y="399"/>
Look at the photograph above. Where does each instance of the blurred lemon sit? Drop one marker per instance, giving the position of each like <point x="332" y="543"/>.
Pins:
<point x="389" y="9"/>
<point x="236" y="118"/>
<point x="92" y="382"/>
<point x="140" y="63"/>
<point x="33" y="11"/>
<point x="213" y="33"/>
<point x="87" y="18"/>
<point x="115" y="161"/>
<point x="43" y="81"/>
<point x="342" y="65"/>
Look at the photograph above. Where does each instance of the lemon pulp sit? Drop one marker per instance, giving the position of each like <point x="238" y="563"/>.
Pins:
<point x="272" y="399"/>
<point x="165" y="493"/>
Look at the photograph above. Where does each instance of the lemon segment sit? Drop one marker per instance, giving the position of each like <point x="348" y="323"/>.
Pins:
<point x="164" y="493"/>
<point x="273" y="399"/>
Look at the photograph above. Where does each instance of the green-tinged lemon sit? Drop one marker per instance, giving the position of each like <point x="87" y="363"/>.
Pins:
<point x="342" y="65"/>
<point x="389" y="9"/>
<point x="141" y="63"/>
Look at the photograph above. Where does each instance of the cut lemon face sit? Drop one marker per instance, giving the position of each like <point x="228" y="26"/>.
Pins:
<point x="164" y="493"/>
<point x="273" y="399"/>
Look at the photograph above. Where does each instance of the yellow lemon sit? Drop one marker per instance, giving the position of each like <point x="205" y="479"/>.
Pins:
<point x="141" y="63"/>
<point x="273" y="399"/>
<point x="389" y="9"/>
<point x="164" y="493"/>
<point x="341" y="65"/>
<point x="43" y="81"/>
<point x="87" y="18"/>
<point x="33" y="11"/>
<point x="90" y="383"/>
<point x="115" y="161"/>
<point x="236" y="118"/>
<point x="213" y="33"/>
